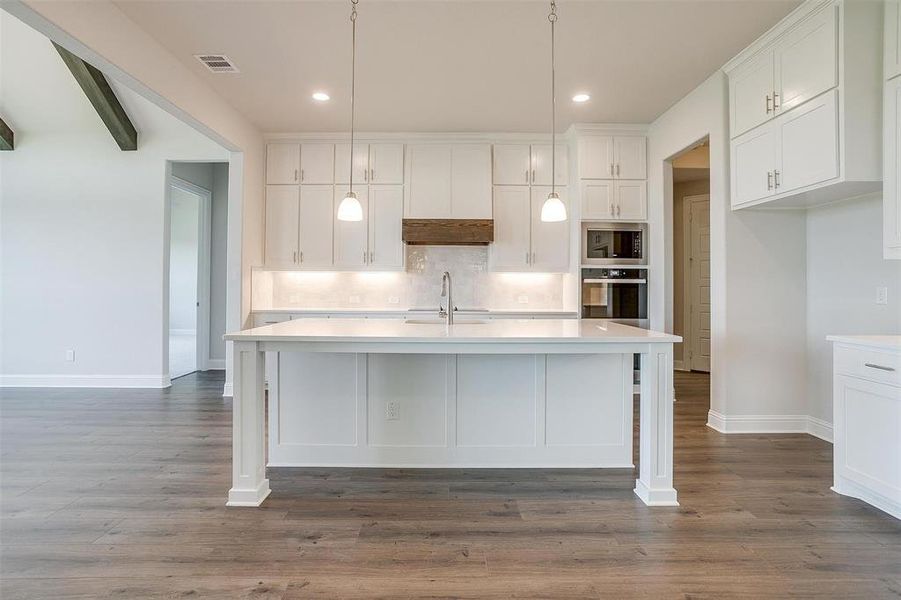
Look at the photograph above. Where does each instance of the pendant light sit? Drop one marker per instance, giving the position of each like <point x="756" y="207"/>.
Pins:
<point x="350" y="208"/>
<point x="553" y="210"/>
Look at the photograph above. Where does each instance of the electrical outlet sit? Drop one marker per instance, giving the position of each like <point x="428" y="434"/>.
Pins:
<point x="393" y="300"/>
<point x="522" y="299"/>
<point x="392" y="410"/>
<point x="882" y="295"/>
<point x="70" y="356"/>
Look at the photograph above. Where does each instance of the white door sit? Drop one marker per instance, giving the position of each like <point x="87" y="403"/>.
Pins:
<point x="429" y="181"/>
<point x="631" y="200"/>
<point x="807" y="60"/>
<point x="282" y="218"/>
<point x="283" y="163"/>
<point x="316" y="225"/>
<point x="699" y="278"/>
<point x="386" y="213"/>
<point x="808" y="144"/>
<point x="550" y="241"/>
<point x="511" y="250"/>
<point x="596" y="157"/>
<point x="317" y="163"/>
<point x="597" y="200"/>
<point x="342" y="163"/>
<point x="512" y="164"/>
<point x="351" y="237"/>
<point x="471" y="181"/>
<point x="751" y="93"/>
<point x="386" y="163"/>
<point x="630" y="157"/>
<point x="892" y="58"/>
<point x="541" y="165"/>
<point x="753" y="164"/>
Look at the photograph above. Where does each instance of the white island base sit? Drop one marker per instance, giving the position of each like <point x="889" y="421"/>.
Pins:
<point x="366" y="393"/>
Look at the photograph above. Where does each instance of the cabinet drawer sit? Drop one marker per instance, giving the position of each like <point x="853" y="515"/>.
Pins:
<point x="874" y="365"/>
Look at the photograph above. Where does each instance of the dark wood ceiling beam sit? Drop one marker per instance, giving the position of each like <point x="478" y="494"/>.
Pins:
<point x="103" y="98"/>
<point x="7" y="136"/>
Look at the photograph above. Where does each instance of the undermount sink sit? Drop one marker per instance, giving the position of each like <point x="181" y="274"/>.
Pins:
<point x="439" y="321"/>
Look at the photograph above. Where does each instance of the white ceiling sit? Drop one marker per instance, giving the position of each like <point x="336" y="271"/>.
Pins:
<point x="456" y="65"/>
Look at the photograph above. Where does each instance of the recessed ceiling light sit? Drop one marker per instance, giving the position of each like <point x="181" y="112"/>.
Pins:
<point x="581" y="98"/>
<point x="320" y="96"/>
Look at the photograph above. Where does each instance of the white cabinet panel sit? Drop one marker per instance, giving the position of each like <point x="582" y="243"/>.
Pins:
<point x="807" y="60"/>
<point x="429" y="181"/>
<point x="597" y="200"/>
<point x="751" y="93"/>
<point x="753" y="164"/>
<point x="512" y="164"/>
<point x="511" y="249"/>
<point x="386" y="163"/>
<point x="497" y="400"/>
<point x="281" y="225"/>
<point x="316" y="210"/>
<point x="351" y="237"/>
<point x="631" y="200"/>
<point x="471" y="181"/>
<point x="342" y="163"/>
<point x="283" y="163"/>
<point x="596" y="157"/>
<point x="891" y="197"/>
<point x="550" y="241"/>
<point x="541" y="165"/>
<point x="630" y="157"/>
<point x="386" y="213"/>
<point x="317" y="163"/>
<point x="417" y="384"/>
<point x="808" y="144"/>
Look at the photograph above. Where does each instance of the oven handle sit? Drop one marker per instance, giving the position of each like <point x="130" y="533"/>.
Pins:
<point x="614" y="281"/>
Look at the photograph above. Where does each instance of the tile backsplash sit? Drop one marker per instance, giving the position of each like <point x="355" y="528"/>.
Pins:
<point x="419" y="286"/>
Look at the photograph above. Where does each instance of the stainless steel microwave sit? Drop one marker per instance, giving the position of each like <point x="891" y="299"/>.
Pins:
<point x="614" y="243"/>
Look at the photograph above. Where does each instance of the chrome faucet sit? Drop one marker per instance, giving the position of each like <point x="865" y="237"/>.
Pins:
<point x="447" y="290"/>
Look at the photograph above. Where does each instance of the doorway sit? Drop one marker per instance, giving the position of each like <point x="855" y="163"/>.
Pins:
<point x="189" y="277"/>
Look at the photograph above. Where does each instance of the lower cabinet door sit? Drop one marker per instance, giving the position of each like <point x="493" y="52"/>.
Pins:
<point x="808" y="144"/>
<point x="386" y="213"/>
<point x="631" y="200"/>
<point x="281" y="225"/>
<point x="753" y="165"/>
<point x="550" y="241"/>
<point x="351" y="244"/>
<point x="511" y="250"/>
<point x="316" y="210"/>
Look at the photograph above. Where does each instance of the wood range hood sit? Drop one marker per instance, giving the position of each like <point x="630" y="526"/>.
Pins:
<point x="448" y="232"/>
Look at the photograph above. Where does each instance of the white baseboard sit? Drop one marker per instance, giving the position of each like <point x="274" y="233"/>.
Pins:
<point x="86" y="381"/>
<point x="215" y="364"/>
<point x="182" y="332"/>
<point x="770" y="424"/>
<point x="227" y="390"/>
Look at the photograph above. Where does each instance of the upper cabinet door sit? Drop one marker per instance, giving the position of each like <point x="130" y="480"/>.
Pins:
<point x="630" y="157"/>
<point x="316" y="210"/>
<point x="351" y="237"/>
<point x="512" y="165"/>
<point x="631" y="200"/>
<point x="550" y="241"/>
<point x="361" y="163"/>
<point x="428" y="181"/>
<point x="386" y="213"/>
<point x="753" y="166"/>
<point x="317" y="163"/>
<point x="807" y="60"/>
<point x="892" y="58"/>
<point x="808" y="145"/>
<point x="281" y="225"/>
<point x="751" y="93"/>
<point x="283" y="163"/>
<point x="596" y="157"/>
<point x="386" y="163"/>
<point x="891" y="195"/>
<point x="511" y="250"/>
<point x="541" y="165"/>
<point x="597" y="200"/>
<point x="471" y="181"/>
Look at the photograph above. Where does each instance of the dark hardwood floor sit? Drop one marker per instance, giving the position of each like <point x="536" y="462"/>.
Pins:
<point x="120" y="494"/>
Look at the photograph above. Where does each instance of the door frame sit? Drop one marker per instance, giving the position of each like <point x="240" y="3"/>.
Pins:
<point x="689" y="340"/>
<point x="204" y="267"/>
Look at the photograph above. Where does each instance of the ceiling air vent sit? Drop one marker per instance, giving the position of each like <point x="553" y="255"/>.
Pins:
<point x="217" y="63"/>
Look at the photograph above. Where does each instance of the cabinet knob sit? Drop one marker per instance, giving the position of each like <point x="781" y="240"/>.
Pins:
<point x="295" y="174"/>
<point x="527" y="257"/>
<point x="617" y="169"/>
<point x="775" y="101"/>
<point x="768" y="109"/>
<point x="769" y="180"/>
<point x="776" y="178"/>
<point x="527" y="175"/>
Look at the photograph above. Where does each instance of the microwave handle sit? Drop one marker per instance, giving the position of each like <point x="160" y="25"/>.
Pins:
<point x="614" y="281"/>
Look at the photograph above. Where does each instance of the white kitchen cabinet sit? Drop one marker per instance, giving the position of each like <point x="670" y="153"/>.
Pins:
<point x="550" y="241"/>
<point x="753" y="164"/>
<point x="317" y="163"/>
<point x="351" y="237"/>
<point x="471" y="181"/>
<point x="541" y="165"/>
<point x="630" y="157"/>
<point x="891" y="192"/>
<point x="316" y="209"/>
<point x="361" y="163"/>
<point x="512" y="164"/>
<point x="386" y="213"/>
<point x="597" y="200"/>
<point x="282" y="163"/>
<point x="751" y="93"/>
<point x="808" y="152"/>
<point x="386" y="163"/>
<point x="511" y="250"/>
<point x="630" y="200"/>
<point x="892" y="37"/>
<point x="806" y="61"/>
<point x="282" y="214"/>
<point x="448" y="181"/>
<point x="613" y="157"/>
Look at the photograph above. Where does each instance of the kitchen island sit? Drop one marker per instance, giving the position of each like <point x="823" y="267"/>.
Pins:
<point x="420" y="393"/>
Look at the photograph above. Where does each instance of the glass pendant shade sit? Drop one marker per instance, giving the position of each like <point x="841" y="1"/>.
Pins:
<point x="350" y="208"/>
<point x="553" y="210"/>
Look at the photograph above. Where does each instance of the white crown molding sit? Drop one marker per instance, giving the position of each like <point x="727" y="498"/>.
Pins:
<point x="770" y="424"/>
<point x="86" y="381"/>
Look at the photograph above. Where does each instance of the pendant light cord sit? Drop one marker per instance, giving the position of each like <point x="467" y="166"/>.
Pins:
<point x="552" y="17"/>
<point x="353" y="83"/>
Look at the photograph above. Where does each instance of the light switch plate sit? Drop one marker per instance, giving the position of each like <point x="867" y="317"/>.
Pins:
<point x="70" y="356"/>
<point x="522" y="299"/>
<point x="392" y="410"/>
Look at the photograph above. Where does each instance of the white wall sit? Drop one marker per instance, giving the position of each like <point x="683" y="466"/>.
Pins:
<point x="83" y="228"/>
<point x="844" y="268"/>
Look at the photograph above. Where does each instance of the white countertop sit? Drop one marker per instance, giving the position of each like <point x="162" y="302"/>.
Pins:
<point x="401" y="312"/>
<point x="396" y="330"/>
<point x="890" y="342"/>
